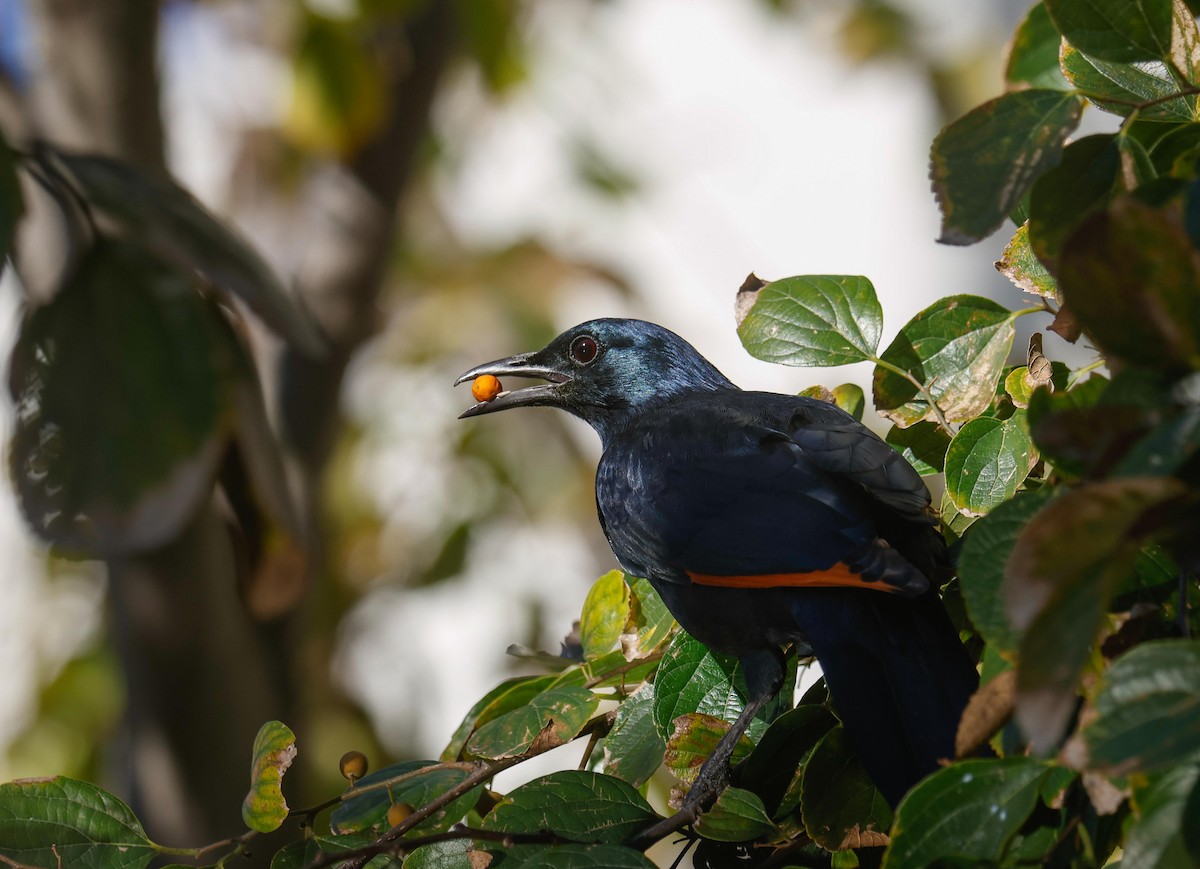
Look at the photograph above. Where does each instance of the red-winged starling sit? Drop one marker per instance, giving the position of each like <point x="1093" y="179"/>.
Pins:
<point x="762" y="520"/>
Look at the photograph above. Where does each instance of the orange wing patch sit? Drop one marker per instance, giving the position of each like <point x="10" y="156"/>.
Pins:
<point x="840" y="575"/>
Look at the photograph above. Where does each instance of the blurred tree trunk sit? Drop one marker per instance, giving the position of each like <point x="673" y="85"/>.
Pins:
<point x="202" y="674"/>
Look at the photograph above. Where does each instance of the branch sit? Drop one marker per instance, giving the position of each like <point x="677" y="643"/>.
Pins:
<point x="483" y="771"/>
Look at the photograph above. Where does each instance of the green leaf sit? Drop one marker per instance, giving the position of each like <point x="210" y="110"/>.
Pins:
<point x="56" y="822"/>
<point x="986" y="462"/>
<point x="1148" y="712"/>
<point x="575" y="804"/>
<point x="12" y="203"/>
<point x="122" y="382"/>
<point x="365" y="803"/>
<point x="693" y="740"/>
<point x="923" y="444"/>
<point x="1080" y="185"/>
<point x="1158" y="837"/>
<point x="956" y="348"/>
<point x="1020" y="265"/>
<point x="1116" y="30"/>
<point x="969" y="810"/>
<point x="633" y="749"/>
<point x="452" y="854"/>
<point x="1175" y="153"/>
<point x="576" y="857"/>
<point x="1102" y="82"/>
<point x="1136" y="166"/>
<point x="508" y="695"/>
<point x="650" y="620"/>
<point x="774" y="770"/>
<point x="1033" y="53"/>
<point x="302" y="853"/>
<point x="813" y="320"/>
<point x="557" y="715"/>
<point x="692" y="678"/>
<point x="981" y="565"/>
<point x="737" y="816"/>
<point x="605" y="611"/>
<point x="160" y="215"/>
<point x="1129" y="275"/>
<point x="1058" y="594"/>
<point x="850" y="398"/>
<point x="983" y="163"/>
<point x="264" y="808"/>
<point x="842" y="807"/>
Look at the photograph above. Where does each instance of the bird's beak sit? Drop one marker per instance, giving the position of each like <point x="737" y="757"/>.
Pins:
<point x="523" y="365"/>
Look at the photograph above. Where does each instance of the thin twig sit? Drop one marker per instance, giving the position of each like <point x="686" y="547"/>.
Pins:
<point x="482" y="771"/>
<point x="921" y="389"/>
<point x="624" y="668"/>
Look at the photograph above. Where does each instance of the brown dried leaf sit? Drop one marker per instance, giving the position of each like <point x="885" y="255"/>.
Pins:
<point x="857" y="838"/>
<point x="1066" y="326"/>
<point x="987" y="711"/>
<point x="747" y="295"/>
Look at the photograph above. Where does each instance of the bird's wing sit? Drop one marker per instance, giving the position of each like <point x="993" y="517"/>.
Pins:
<point x="730" y="503"/>
<point x="837" y="443"/>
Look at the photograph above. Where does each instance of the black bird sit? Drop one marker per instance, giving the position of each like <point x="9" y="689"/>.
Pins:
<point x="761" y="520"/>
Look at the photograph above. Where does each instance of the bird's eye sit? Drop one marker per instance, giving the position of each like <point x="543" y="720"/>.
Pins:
<point x="584" y="349"/>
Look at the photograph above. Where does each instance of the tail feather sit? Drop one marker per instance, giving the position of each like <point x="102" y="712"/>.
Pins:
<point x="898" y="676"/>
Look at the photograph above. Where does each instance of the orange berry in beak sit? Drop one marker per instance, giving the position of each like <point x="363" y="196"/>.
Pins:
<point x="485" y="388"/>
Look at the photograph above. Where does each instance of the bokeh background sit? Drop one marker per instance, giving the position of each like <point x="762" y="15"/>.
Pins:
<point x="444" y="182"/>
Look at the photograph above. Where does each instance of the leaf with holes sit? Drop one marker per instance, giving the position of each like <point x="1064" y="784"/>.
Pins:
<point x="264" y="808"/>
<point x="812" y="320"/>
<point x="956" y="348"/>
<point x="983" y="163"/>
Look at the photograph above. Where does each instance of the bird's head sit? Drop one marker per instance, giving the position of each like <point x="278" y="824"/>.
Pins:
<point x="603" y="371"/>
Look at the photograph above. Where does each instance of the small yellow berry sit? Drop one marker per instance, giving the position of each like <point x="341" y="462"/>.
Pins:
<point x="353" y="765"/>
<point x="485" y="388"/>
<point x="398" y="812"/>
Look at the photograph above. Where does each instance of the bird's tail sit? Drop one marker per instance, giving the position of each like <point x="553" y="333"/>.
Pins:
<point x="898" y="676"/>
